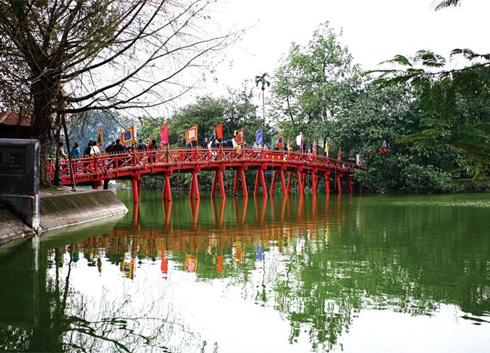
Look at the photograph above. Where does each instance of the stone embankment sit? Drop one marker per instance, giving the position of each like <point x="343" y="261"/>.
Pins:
<point x="62" y="208"/>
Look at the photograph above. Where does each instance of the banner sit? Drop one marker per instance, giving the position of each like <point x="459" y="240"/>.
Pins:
<point x="280" y="140"/>
<point x="219" y="131"/>
<point x="326" y="146"/>
<point x="314" y="147"/>
<point x="99" y="138"/>
<point x="164" y="135"/>
<point x="289" y="146"/>
<point x="191" y="134"/>
<point x="298" y="139"/>
<point x="339" y="156"/>
<point x="239" y="136"/>
<point x="259" y="137"/>
<point x="129" y="136"/>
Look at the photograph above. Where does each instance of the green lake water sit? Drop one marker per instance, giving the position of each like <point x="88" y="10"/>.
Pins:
<point x="337" y="274"/>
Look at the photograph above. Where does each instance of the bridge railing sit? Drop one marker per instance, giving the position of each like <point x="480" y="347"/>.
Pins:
<point x="104" y="163"/>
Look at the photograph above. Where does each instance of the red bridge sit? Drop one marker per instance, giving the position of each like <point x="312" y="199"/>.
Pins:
<point x="99" y="169"/>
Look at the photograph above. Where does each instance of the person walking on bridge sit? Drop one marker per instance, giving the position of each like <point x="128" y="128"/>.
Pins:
<point x="140" y="147"/>
<point x="75" y="151"/>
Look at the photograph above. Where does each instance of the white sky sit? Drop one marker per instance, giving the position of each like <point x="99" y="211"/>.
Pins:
<point x="373" y="31"/>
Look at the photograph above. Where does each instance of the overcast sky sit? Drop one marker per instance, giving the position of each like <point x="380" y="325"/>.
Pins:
<point x="373" y="31"/>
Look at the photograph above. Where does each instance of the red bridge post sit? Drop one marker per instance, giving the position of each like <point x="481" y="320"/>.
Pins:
<point x="288" y="188"/>
<point x="314" y="182"/>
<point x="240" y="173"/>
<point x="283" y="183"/>
<point x="326" y="175"/>
<point x="301" y="186"/>
<point x="218" y="178"/>
<point x="167" y="190"/>
<point x="339" y="183"/>
<point x="136" y="188"/>
<point x="260" y="182"/>
<point x="194" y="191"/>
<point x="244" y="182"/>
<point x="273" y="184"/>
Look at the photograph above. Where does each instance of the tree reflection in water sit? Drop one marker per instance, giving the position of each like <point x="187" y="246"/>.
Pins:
<point x="318" y="262"/>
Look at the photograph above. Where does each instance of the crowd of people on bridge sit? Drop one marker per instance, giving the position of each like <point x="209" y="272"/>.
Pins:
<point x="93" y="148"/>
<point x="215" y="142"/>
<point x="114" y="147"/>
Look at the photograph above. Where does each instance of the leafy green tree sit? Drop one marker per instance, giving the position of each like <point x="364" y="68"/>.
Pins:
<point x="455" y="103"/>
<point x="387" y="115"/>
<point x="314" y="85"/>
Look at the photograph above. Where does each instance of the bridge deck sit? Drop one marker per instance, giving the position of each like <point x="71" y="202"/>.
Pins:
<point x="99" y="169"/>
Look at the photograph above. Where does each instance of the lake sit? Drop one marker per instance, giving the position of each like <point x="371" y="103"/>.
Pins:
<point x="278" y="274"/>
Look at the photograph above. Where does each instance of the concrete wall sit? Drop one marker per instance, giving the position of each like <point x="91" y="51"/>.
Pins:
<point x="11" y="228"/>
<point x="74" y="208"/>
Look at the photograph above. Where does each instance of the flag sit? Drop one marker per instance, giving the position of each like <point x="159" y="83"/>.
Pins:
<point x="142" y="123"/>
<point x="314" y="147"/>
<point x="280" y="140"/>
<point x="239" y="136"/>
<point x="339" y="156"/>
<point x="326" y="146"/>
<point x="191" y="134"/>
<point x="219" y="131"/>
<point x="129" y="136"/>
<point x="164" y="135"/>
<point x="289" y="146"/>
<point x="298" y="139"/>
<point x="99" y="138"/>
<point x="213" y="136"/>
<point x="259" y="137"/>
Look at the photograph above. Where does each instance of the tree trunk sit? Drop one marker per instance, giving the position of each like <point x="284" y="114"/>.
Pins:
<point x="43" y="109"/>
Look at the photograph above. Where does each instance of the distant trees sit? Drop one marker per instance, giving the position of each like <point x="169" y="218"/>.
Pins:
<point x="234" y="111"/>
<point x="71" y="56"/>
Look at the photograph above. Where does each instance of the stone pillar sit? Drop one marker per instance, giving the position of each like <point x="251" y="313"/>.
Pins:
<point x="19" y="175"/>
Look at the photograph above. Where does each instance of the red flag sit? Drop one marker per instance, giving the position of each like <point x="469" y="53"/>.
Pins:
<point x="219" y="131"/>
<point x="164" y="135"/>
<point x="99" y="138"/>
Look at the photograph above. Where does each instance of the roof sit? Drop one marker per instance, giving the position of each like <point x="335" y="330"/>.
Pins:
<point x="12" y="118"/>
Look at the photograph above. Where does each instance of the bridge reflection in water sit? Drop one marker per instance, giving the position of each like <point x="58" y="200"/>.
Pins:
<point x="270" y="274"/>
<point x="251" y="225"/>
